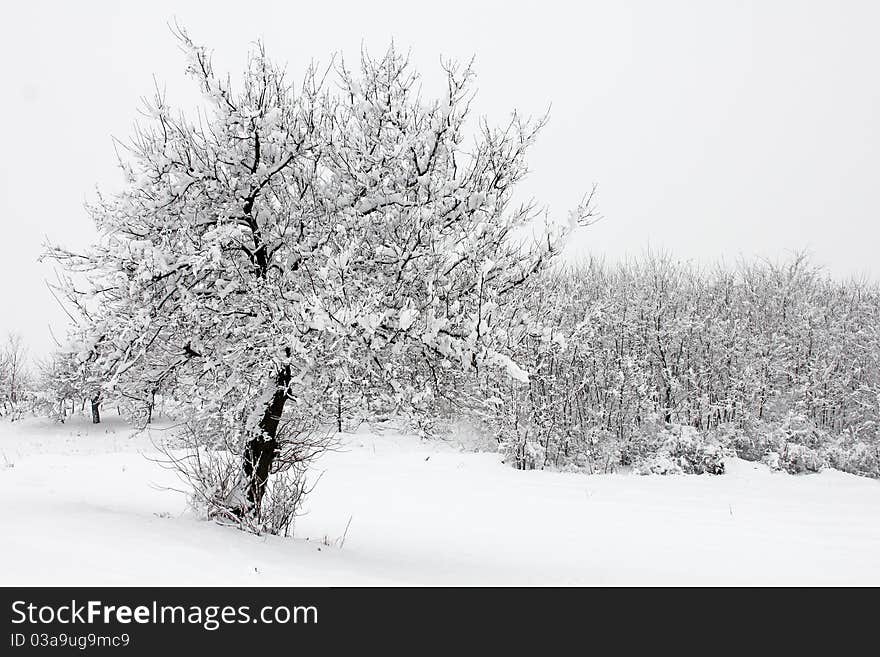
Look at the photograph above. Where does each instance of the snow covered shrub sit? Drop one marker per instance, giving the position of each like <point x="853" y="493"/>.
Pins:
<point x="216" y="485"/>
<point x="857" y="458"/>
<point x="282" y="502"/>
<point x="749" y="447"/>
<point x="794" y="444"/>
<point x="523" y="453"/>
<point x="771" y="460"/>
<point x="795" y="459"/>
<point x="799" y="430"/>
<point x="213" y="471"/>
<point x="599" y="452"/>
<point x="682" y="449"/>
<point x="746" y="441"/>
<point x="645" y="442"/>
<point x="798" y="459"/>
<point x="213" y="476"/>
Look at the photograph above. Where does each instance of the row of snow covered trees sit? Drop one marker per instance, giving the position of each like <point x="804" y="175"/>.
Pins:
<point x="58" y="385"/>
<point x="766" y="358"/>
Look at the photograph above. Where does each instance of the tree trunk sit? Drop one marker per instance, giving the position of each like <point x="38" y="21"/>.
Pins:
<point x="150" y="405"/>
<point x="260" y="451"/>
<point x="96" y="413"/>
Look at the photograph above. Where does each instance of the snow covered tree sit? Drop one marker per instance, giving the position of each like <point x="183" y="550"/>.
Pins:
<point x="14" y="376"/>
<point x="64" y="383"/>
<point x="289" y="238"/>
<point x="59" y="384"/>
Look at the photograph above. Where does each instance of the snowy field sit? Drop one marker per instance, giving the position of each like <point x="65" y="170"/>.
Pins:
<point x="84" y="505"/>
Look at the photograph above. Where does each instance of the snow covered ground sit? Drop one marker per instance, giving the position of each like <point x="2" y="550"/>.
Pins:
<point x="83" y="504"/>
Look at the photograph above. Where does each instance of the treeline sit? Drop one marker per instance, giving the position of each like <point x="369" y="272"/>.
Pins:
<point x="774" y="361"/>
<point x="62" y="384"/>
<point x="653" y="364"/>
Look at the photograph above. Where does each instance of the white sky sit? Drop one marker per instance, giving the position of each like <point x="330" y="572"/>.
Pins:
<point x="713" y="129"/>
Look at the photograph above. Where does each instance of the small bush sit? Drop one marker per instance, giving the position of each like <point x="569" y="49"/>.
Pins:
<point x="601" y="453"/>
<point x="681" y="449"/>
<point x="793" y="444"/>
<point x="215" y="477"/>
<point x="213" y="471"/>
<point x="854" y="457"/>
<point x="522" y="453"/>
<point x="795" y="459"/>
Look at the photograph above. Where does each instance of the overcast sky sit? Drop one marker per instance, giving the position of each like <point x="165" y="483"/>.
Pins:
<point x="713" y="129"/>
